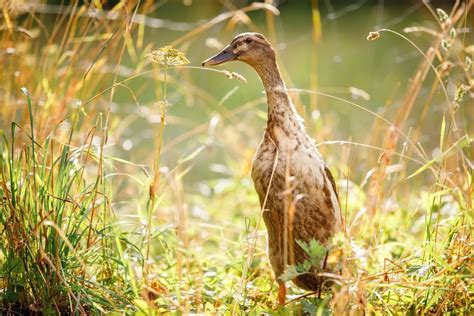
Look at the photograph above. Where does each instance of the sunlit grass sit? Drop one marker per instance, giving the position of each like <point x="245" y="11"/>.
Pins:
<point x="85" y="230"/>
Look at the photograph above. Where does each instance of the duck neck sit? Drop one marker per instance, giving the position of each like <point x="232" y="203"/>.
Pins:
<point x="280" y="106"/>
<point x="270" y="75"/>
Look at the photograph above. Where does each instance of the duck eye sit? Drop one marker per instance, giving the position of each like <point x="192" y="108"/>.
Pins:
<point x="248" y="40"/>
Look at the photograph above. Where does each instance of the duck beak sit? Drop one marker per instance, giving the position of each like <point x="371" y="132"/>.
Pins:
<point x="225" y="55"/>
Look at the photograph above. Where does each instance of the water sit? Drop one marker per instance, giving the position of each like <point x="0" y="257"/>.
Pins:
<point x="380" y="70"/>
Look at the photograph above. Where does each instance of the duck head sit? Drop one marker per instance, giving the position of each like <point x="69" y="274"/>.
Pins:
<point x="251" y="48"/>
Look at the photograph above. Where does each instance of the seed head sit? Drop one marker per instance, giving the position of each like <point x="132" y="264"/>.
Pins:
<point x="442" y="15"/>
<point x="234" y="75"/>
<point x="468" y="63"/>
<point x="445" y="44"/>
<point x="373" y="36"/>
<point x="452" y="33"/>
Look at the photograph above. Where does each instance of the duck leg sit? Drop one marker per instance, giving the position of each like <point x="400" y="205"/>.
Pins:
<point x="281" y="293"/>
<point x="320" y="287"/>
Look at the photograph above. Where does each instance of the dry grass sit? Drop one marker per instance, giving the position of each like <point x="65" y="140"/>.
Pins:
<point x="87" y="229"/>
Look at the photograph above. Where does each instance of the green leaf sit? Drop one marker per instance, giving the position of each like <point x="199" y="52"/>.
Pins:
<point x="433" y="300"/>
<point x="314" y="249"/>
<point x="443" y="129"/>
<point x="462" y="142"/>
<point x="191" y="156"/>
<point x="418" y="269"/>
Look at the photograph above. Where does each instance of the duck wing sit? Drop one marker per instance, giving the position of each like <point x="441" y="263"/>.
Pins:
<point x="331" y="179"/>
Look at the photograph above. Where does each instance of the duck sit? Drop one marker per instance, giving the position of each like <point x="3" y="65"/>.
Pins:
<point x="296" y="189"/>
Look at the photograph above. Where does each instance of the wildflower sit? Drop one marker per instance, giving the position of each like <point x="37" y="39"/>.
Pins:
<point x="373" y="36"/>
<point x="168" y="56"/>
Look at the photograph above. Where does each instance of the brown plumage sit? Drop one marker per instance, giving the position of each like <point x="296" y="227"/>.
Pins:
<point x="299" y="194"/>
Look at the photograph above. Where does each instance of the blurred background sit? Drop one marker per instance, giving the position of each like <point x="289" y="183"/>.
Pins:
<point x="342" y="63"/>
<point x="321" y="45"/>
<point x="213" y="124"/>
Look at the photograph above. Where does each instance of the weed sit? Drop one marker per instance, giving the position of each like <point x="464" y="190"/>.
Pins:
<point x="102" y="211"/>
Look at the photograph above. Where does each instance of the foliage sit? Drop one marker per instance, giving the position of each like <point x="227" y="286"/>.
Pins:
<point x="93" y="221"/>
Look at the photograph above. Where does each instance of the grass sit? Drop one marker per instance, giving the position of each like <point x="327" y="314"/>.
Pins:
<point x="85" y="228"/>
